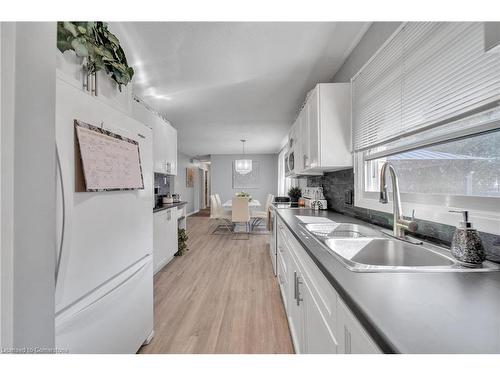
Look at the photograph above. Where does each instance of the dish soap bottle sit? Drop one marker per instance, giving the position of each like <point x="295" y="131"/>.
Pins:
<point x="466" y="245"/>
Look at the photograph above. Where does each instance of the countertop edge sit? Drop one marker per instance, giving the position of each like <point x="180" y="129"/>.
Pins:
<point x="166" y="207"/>
<point x="384" y="344"/>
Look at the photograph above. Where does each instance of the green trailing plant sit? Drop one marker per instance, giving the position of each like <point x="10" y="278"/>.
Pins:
<point x="295" y="193"/>
<point x="98" y="46"/>
<point x="182" y="238"/>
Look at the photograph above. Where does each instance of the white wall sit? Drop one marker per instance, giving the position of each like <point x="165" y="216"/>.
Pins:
<point x="222" y="179"/>
<point x="187" y="194"/>
<point x="373" y="39"/>
<point x="28" y="167"/>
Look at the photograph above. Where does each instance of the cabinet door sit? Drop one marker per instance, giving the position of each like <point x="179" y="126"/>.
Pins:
<point x="160" y="245"/>
<point x="313" y="128"/>
<point x="171" y="229"/>
<point x="318" y="335"/>
<point x="158" y="164"/>
<point x="353" y="338"/>
<point x="304" y="159"/>
<point x="294" y="304"/>
<point x="282" y="267"/>
<point x="174" y="151"/>
<point x="171" y="149"/>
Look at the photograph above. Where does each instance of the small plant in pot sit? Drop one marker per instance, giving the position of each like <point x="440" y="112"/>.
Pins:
<point x="243" y="194"/>
<point x="295" y="193"/>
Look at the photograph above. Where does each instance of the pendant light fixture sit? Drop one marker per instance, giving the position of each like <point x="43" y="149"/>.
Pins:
<point x="243" y="166"/>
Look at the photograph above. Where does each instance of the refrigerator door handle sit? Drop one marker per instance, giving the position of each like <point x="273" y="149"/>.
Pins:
<point x="121" y="284"/>
<point x="63" y="223"/>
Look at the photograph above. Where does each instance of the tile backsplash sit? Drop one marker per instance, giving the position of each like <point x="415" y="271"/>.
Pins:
<point x="335" y="185"/>
<point x="163" y="183"/>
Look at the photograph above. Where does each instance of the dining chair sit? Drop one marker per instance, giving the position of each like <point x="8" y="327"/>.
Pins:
<point x="217" y="197"/>
<point x="220" y="216"/>
<point x="259" y="216"/>
<point x="241" y="213"/>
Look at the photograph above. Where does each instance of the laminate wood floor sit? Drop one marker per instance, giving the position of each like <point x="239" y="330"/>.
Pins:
<point x="220" y="297"/>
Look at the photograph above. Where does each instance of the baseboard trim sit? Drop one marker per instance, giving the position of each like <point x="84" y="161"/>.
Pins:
<point x="192" y="213"/>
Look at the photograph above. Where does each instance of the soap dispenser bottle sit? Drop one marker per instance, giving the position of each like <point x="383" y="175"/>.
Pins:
<point x="466" y="245"/>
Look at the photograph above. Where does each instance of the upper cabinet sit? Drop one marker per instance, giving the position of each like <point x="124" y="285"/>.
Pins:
<point x="324" y="130"/>
<point x="171" y="150"/>
<point x="164" y="140"/>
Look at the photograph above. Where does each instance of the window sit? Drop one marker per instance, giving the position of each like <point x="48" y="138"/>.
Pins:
<point x="466" y="167"/>
<point x="459" y="173"/>
<point x="429" y="102"/>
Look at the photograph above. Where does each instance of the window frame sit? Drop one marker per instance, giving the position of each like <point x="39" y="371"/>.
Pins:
<point x="484" y="211"/>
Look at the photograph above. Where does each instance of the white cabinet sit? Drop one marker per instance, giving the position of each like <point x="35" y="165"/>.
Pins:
<point x="354" y="339"/>
<point x="171" y="150"/>
<point x="164" y="139"/>
<point x="165" y="148"/>
<point x="282" y="264"/>
<point x="313" y="133"/>
<point x="318" y="319"/>
<point x="160" y="241"/>
<point x="324" y="139"/>
<point x="172" y="231"/>
<point x="295" y="311"/>
<point x="164" y="237"/>
<point x="320" y="337"/>
<point x="302" y="145"/>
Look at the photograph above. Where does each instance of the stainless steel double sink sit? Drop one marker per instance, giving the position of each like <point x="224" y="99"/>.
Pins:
<point x="362" y="248"/>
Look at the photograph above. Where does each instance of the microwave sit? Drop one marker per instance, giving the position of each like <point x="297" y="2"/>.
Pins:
<point x="290" y="164"/>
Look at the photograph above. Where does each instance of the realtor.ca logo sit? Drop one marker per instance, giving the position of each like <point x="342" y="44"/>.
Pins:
<point x="34" y="350"/>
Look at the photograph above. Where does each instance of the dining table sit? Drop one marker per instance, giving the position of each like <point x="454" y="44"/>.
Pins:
<point x="254" y="203"/>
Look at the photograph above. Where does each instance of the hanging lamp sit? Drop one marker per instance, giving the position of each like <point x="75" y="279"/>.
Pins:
<point x="243" y="166"/>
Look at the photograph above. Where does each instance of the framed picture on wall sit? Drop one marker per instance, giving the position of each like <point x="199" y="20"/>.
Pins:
<point x="189" y="177"/>
<point x="247" y="181"/>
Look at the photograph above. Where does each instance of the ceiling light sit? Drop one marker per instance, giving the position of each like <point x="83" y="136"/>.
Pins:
<point x="243" y="166"/>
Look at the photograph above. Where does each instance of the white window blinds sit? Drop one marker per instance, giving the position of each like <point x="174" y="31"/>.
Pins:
<point x="428" y="73"/>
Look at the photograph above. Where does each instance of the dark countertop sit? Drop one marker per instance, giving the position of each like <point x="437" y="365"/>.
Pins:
<point x="167" y="206"/>
<point x="434" y="312"/>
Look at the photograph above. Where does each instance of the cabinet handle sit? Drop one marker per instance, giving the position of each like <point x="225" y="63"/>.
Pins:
<point x="295" y="285"/>
<point x="298" y="282"/>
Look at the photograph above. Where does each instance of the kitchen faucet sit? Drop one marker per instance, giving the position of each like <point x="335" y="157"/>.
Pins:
<point x="400" y="224"/>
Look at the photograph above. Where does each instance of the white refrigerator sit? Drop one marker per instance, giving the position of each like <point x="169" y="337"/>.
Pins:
<point x="104" y="273"/>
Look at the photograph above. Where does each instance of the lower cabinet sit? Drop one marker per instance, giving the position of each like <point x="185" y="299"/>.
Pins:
<point x="295" y="310"/>
<point x="353" y="338"/>
<point x="318" y="319"/>
<point x="319" y="336"/>
<point x="311" y="331"/>
<point x="164" y="237"/>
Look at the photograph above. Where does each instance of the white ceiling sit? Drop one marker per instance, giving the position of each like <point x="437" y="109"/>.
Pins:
<point x="220" y="82"/>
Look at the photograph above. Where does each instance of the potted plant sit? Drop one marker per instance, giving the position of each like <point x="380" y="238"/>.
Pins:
<point x="295" y="193"/>
<point x="243" y="194"/>
<point x="182" y="238"/>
